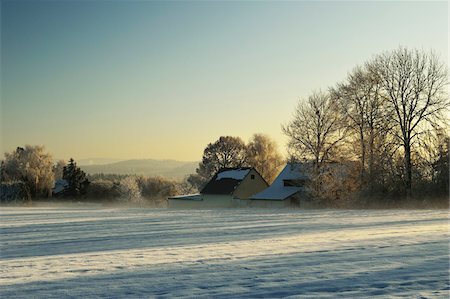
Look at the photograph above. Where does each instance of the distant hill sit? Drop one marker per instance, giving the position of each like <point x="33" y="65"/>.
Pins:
<point x="96" y="161"/>
<point x="165" y="168"/>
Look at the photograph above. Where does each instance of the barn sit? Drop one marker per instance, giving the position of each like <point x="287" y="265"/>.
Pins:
<point x="288" y="189"/>
<point x="229" y="187"/>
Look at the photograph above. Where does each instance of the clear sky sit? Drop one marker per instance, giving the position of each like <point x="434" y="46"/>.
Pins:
<point x="146" y="79"/>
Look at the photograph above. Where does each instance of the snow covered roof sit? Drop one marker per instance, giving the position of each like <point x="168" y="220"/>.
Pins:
<point x="226" y="180"/>
<point x="197" y="197"/>
<point x="237" y="174"/>
<point x="278" y="191"/>
<point x="60" y="186"/>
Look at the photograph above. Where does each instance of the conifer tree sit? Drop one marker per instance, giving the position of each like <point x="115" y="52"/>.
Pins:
<point x="76" y="179"/>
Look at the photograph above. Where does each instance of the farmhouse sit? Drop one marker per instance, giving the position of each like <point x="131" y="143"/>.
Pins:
<point x="61" y="187"/>
<point x="229" y="187"/>
<point x="286" y="190"/>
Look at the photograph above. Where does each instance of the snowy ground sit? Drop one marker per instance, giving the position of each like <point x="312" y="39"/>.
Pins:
<point x="134" y="253"/>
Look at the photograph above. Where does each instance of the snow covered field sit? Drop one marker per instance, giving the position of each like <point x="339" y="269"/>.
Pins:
<point x="134" y="253"/>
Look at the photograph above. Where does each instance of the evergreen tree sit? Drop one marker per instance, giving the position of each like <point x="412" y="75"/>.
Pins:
<point x="76" y="179"/>
<point x="441" y="169"/>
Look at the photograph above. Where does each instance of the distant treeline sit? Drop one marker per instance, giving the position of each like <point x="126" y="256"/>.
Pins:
<point x="389" y="117"/>
<point x="29" y="173"/>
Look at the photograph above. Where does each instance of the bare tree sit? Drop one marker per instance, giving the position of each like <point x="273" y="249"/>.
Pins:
<point x="129" y="190"/>
<point x="363" y="107"/>
<point x="262" y="153"/>
<point x="441" y="168"/>
<point x="58" y="169"/>
<point x="316" y="134"/>
<point x="414" y="84"/>
<point x="316" y="130"/>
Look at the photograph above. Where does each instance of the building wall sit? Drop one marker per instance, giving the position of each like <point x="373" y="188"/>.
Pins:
<point x="209" y="201"/>
<point x="228" y="201"/>
<point x="290" y="202"/>
<point x="249" y="187"/>
<point x="272" y="204"/>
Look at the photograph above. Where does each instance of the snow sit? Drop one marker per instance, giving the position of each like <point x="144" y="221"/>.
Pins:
<point x="60" y="185"/>
<point x="234" y="253"/>
<point x="236" y="174"/>
<point x="277" y="191"/>
<point x="188" y="197"/>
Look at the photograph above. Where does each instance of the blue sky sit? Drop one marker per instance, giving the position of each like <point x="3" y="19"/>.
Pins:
<point x="148" y="79"/>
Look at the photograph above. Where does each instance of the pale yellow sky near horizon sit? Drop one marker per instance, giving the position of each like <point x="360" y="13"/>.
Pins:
<point x="161" y="80"/>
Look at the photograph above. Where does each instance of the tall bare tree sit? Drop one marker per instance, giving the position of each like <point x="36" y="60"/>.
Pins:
<point x="316" y="130"/>
<point x="414" y="84"/>
<point x="58" y="169"/>
<point x="363" y="107"/>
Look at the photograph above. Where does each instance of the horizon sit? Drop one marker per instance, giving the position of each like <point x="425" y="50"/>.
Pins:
<point x="161" y="80"/>
<point x="103" y="161"/>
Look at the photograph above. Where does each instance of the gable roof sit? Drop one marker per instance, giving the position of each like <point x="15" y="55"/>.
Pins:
<point x="60" y="186"/>
<point x="277" y="191"/>
<point x="194" y="197"/>
<point x="226" y="180"/>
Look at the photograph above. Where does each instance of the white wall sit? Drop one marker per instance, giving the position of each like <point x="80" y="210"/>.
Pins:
<point x="273" y="204"/>
<point x="208" y="201"/>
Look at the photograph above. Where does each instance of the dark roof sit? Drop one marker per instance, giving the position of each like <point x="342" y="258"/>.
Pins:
<point x="220" y="184"/>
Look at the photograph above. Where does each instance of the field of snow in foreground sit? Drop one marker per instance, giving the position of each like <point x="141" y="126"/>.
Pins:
<point x="135" y="253"/>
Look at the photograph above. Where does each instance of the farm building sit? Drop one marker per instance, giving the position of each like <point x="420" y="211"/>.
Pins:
<point x="61" y="187"/>
<point x="229" y="187"/>
<point x="286" y="190"/>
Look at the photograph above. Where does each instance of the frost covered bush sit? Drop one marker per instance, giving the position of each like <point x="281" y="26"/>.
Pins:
<point x="157" y="188"/>
<point x="104" y="190"/>
<point x="134" y="189"/>
<point x="33" y="165"/>
<point x="14" y="192"/>
<point x="129" y="190"/>
<point x="336" y="185"/>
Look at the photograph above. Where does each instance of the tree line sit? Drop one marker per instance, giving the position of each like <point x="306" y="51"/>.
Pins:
<point x="30" y="173"/>
<point x="382" y="132"/>
<point x="390" y="117"/>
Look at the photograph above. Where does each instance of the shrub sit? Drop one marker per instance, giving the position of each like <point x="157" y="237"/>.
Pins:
<point x="14" y="192"/>
<point x="103" y="189"/>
